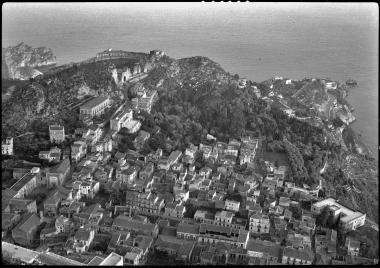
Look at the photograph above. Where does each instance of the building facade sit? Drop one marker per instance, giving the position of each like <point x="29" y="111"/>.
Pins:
<point x="95" y="107"/>
<point x="56" y="133"/>
<point x="7" y="146"/>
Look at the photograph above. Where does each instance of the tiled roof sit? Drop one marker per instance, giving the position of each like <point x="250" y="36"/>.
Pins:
<point x="299" y="254"/>
<point x="22" y="181"/>
<point x="95" y="261"/>
<point x="61" y="168"/>
<point x="125" y="222"/>
<point x="28" y="222"/>
<point x="188" y="228"/>
<point x="267" y="247"/>
<point x="82" y="235"/>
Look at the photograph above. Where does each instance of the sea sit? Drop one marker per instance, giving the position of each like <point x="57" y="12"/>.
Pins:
<point x="255" y="40"/>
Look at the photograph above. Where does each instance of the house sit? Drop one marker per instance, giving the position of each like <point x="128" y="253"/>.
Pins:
<point x="113" y="259"/>
<point x="299" y="241"/>
<point x="51" y="204"/>
<point x="140" y="140"/>
<point x="26" y="184"/>
<point x="9" y="221"/>
<point x="174" y="157"/>
<point x="259" y="223"/>
<point x="63" y="224"/>
<point x="82" y="240"/>
<point x="120" y="119"/>
<point x="187" y="231"/>
<point x="25" y="233"/>
<point x="231" y="205"/>
<point x="224" y="218"/>
<point x="284" y="202"/>
<point x="191" y="150"/>
<point x="175" y="210"/>
<point x="78" y="150"/>
<point x="133" y="256"/>
<point x="7" y="146"/>
<point x="297" y="256"/>
<point x="264" y="250"/>
<point x="95" y="106"/>
<point x="210" y="233"/>
<point x="57" y="174"/>
<point x="56" y="133"/>
<point x="144" y="202"/>
<point x="326" y="240"/>
<point x="125" y="223"/>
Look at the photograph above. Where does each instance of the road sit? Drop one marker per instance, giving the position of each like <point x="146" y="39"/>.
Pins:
<point x="372" y="224"/>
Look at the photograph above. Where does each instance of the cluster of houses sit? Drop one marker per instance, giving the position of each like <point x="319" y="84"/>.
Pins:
<point x="106" y="207"/>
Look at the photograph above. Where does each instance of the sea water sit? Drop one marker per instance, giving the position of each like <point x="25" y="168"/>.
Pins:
<point x="256" y="41"/>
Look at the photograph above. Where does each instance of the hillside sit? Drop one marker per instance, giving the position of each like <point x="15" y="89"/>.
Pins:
<point x="198" y="97"/>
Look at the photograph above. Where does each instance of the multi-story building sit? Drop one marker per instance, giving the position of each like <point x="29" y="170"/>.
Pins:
<point x="144" y="202"/>
<point x="57" y="175"/>
<point x="140" y="140"/>
<point x="297" y="256"/>
<point x="147" y="171"/>
<point x="259" y="223"/>
<point x="210" y="233"/>
<point x="7" y="146"/>
<point x="348" y="219"/>
<point x="248" y="150"/>
<point x="120" y="119"/>
<point x="25" y="233"/>
<point x="112" y="54"/>
<point x="92" y="135"/>
<point x="128" y="224"/>
<point x="95" y="107"/>
<point x="175" y="210"/>
<point x="231" y="205"/>
<point x="188" y="231"/>
<point x="82" y="240"/>
<point x="56" y="133"/>
<point x="26" y="184"/>
<point x="78" y="150"/>
<point x="145" y="101"/>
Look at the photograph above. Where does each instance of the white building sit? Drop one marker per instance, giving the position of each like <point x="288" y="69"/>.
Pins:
<point x="120" y="119"/>
<point x="349" y="219"/>
<point x="7" y="146"/>
<point x="95" y="107"/>
<point x="232" y="205"/>
<point x="56" y="133"/>
<point x="259" y="223"/>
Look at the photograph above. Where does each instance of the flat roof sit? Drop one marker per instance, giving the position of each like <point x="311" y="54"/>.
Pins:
<point x="94" y="102"/>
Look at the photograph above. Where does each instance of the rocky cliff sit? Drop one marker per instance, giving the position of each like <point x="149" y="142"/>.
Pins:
<point x="23" y="62"/>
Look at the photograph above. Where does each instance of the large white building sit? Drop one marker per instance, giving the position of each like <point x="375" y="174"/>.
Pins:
<point x="349" y="219"/>
<point x="232" y="205"/>
<point x="120" y="119"/>
<point x="95" y="107"/>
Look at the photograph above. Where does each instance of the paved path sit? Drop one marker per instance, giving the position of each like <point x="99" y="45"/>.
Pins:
<point x="372" y="224"/>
